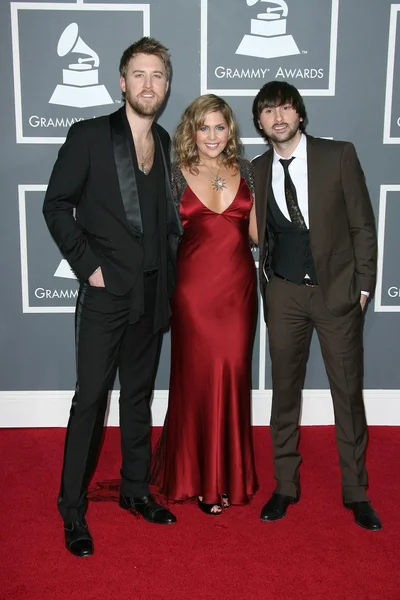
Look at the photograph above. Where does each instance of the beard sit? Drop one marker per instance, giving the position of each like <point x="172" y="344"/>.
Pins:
<point x="287" y="136"/>
<point x="144" y="108"/>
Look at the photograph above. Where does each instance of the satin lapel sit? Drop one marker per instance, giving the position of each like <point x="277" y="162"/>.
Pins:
<point x="125" y="171"/>
<point x="173" y="221"/>
<point x="263" y="177"/>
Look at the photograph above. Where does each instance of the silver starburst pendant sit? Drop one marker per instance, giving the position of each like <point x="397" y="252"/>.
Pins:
<point x="218" y="184"/>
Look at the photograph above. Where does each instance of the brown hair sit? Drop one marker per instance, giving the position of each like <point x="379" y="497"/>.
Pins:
<point x="277" y="93"/>
<point x="192" y="119"/>
<point x="146" y="45"/>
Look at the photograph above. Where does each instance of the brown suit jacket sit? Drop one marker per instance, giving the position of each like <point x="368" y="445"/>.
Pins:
<point x="342" y="224"/>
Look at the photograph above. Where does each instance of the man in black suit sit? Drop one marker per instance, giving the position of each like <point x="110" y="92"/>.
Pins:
<point x="113" y="171"/>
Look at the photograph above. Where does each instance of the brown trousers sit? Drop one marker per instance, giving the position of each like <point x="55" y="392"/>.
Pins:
<point x="293" y="312"/>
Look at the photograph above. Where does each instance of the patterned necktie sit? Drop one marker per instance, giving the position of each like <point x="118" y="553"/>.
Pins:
<point x="291" y="197"/>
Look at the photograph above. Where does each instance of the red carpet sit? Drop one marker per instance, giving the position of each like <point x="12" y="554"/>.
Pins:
<point x="315" y="552"/>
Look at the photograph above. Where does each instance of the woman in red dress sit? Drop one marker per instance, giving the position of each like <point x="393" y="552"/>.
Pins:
<point x="206" y="448"/>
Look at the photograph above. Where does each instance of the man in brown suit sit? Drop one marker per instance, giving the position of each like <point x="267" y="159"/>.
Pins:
<point x="318" y="251"/>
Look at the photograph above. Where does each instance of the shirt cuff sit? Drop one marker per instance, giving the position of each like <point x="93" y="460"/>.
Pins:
<point x="365" y="293"/>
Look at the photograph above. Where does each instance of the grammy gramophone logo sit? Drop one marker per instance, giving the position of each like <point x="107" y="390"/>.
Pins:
<point x="268" y="37"/>
<point x="64" y="270"/>
<point x="80" y="87"/>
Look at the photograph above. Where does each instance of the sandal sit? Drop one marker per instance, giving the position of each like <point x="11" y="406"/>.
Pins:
<point x="207" y="508"/>
<point x="225" y="501"/>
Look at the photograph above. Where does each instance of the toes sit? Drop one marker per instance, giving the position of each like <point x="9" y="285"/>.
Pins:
<point x="225" y="501"/>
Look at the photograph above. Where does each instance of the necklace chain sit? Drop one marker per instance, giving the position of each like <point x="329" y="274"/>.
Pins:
<point x="145" y="161"/>
<point x="218" y="183"/>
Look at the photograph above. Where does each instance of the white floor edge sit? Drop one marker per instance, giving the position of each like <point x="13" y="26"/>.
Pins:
<point x="51" y="408"/>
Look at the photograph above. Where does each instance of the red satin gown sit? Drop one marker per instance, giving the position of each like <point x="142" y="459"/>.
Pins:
<point x="206" y="448"/>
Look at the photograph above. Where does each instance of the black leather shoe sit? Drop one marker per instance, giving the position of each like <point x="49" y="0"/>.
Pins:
<point x="78" y="539"/>
<point x="148" y="508"/>
<point x="364" y="515"/>
<point x="276" y="507"/>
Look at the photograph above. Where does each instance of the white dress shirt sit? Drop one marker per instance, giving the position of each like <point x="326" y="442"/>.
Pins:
<point x="298" y="172"/>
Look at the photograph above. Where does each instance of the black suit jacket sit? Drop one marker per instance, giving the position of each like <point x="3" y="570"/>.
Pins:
<point x="342" y="224"/>
<point x="92" y="206"/>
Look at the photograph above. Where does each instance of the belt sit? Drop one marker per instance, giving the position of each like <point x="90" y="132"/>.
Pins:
<point x="306" y="281"/>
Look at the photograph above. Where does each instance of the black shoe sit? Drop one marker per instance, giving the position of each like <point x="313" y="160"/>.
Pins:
<point x="207" y="508"/>
<point x="276" y="507"/>
<point x="364" y="515"/>
<point x="148" y="508"/>
<point x="78" y="539"/>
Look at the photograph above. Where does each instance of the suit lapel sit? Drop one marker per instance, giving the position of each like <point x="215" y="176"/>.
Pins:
<point x="262" y="180"/>
<point x="314" y="182"/>
<point x="125" y="171"/>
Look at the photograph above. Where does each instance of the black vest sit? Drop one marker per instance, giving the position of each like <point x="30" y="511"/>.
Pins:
<point x="291" y="255"/>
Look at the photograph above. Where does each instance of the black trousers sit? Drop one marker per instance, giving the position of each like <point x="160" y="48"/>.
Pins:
<point x="293" y="312"/>
<point x="105" y="342"/>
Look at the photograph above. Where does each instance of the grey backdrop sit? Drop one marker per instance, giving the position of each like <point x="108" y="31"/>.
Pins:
<point x="348" y="65"/>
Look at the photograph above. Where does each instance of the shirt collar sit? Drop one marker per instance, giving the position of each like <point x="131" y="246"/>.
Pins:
<point x="299" y="152"/>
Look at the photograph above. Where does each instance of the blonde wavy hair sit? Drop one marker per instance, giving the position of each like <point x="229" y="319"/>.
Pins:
<point x="193" y="118"/>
